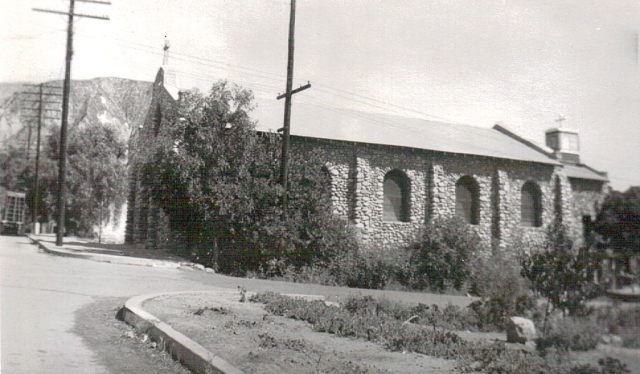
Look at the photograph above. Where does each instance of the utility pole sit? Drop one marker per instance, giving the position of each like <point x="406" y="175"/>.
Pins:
<point x="284" y="165"/>
<point x="65" y="109"/>
<point x="41" y="111"/>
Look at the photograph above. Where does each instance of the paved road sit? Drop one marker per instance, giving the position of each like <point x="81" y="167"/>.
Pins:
<point x="40" y="293"/>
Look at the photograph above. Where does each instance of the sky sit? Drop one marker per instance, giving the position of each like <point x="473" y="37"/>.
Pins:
<point x="522" y="63"/>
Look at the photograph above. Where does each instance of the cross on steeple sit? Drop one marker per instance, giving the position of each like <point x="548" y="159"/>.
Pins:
<point x="560" y="119"/>
<point x="165" y="59"/>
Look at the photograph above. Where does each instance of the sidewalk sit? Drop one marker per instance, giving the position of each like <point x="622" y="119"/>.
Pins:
<point x="81" y="248"/>
<point x="184" y="349"/>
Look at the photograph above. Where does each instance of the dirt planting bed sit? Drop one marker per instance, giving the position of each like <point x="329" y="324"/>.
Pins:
<point x="254" y="341"/>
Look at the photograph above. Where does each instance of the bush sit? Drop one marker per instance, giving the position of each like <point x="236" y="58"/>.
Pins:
<point x="441" y="257"/>
<point x="503" y="292"/>
<point x="562" y="273"/>
<point x="571" y="334"/>
<point x="623" y="322"/>
<point x="371" y="268"/>
<point x="608" y="365"/>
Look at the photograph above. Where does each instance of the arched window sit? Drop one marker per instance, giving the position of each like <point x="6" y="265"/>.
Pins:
<point x="397" y="190"/>
<point x="531" y="205"/>
<point x="468" y="200"/>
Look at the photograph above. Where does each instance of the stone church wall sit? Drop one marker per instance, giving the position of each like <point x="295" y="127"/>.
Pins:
<point x="358" y="171"/>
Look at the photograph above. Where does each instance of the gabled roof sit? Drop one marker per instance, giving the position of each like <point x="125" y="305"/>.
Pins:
<point x="308" y="120"/>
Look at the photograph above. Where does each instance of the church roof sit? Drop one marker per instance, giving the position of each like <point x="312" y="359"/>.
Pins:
<point x="583" y="172"/>
<point x="322" y="122"/>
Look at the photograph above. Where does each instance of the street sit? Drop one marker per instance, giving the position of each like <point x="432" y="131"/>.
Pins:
<point x="40" y="294"/>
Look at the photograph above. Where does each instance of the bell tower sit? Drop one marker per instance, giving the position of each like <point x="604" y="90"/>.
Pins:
<point x="564" y="142"/>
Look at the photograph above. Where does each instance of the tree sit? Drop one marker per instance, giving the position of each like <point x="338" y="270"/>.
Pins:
<point x="619" y="221"/>
<point x="217" y="180"/>
<point x="96" y="175"/>
<point x="562" y="273"/>
<point x="15" y="171"/>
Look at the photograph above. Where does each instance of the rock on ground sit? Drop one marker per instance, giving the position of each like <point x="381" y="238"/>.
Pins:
<point x="520" y="330"/>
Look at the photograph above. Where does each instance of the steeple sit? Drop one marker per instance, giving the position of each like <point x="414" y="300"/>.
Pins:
<point x="165" y="58"/>
<point x="169" y="73"/>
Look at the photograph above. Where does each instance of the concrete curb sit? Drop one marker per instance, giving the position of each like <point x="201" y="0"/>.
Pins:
<point x="113" y="259"/>
<point x="193" y="355"/>
<point x="181" y="348"/>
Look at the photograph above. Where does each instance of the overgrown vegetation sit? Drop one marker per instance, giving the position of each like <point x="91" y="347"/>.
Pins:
<point x="217" y="180"/>
<point x="441" y="258"/>
<point x="421" y="329"/>
<point x="624" y="322"/>
<point x="619" y="221"/>
<point x="502" y="290"/>
<point x="95" y="179"/>
<point x="562" y="273"/>
<point x="570" y="334"/>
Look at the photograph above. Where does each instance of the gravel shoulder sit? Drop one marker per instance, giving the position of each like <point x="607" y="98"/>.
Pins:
<point x="116" y="344"/>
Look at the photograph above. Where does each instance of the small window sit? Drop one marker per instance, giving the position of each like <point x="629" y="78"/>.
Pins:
<point x="531" y="205"/>
<point x="325" y="185"/>
<point x="396" y="197"/>
<point x="157" y="119"/>
<point x="468" y="200"/>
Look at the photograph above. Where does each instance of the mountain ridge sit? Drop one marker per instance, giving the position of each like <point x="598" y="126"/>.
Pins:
<point x="108" y="101"/>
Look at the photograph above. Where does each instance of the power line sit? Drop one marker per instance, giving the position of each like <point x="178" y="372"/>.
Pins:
<point x="355" y="97"/>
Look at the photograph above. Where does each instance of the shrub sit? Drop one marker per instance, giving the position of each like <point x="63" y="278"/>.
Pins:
<point x="441" y="257"/>
<point x="611" y="365"/>
<point x="503" y="292"/>
<point x="562" y="273"/>
<point x="571" y="334"/>
<point x="623" y="322"/>
<point x="371" y="268"/>
<point x="608" y="365"/>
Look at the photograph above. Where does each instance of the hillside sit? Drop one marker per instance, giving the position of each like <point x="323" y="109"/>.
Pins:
<point x="117" y="102"/>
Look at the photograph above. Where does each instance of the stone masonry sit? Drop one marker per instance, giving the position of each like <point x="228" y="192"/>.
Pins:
<point x="357" y="171"/>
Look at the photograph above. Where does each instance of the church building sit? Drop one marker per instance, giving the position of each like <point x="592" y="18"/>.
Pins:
<point x="390" y="175"/>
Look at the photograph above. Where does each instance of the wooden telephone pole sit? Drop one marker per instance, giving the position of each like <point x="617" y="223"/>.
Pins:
<point x="42" y="115"/>
<point x="65" y="109"/>
<point x="284" y="165"/>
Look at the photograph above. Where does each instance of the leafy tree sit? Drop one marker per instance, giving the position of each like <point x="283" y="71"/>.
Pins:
<point x="15" y="171"/>
<point x="619" y="221"/>
<point x="17" y="174"/>
<point x="562" y="273"/>
<point x="96" y="175"/>
<point x="217" y="180"/>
